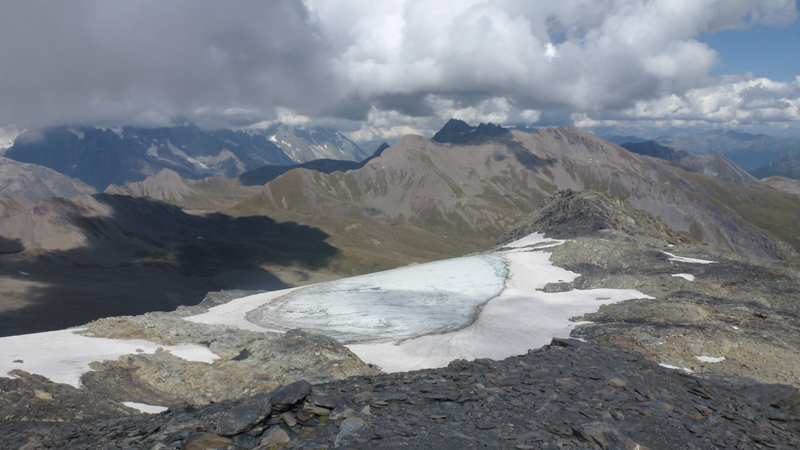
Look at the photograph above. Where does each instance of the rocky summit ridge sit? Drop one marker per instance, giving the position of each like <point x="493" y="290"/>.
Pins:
<point x="710" y="361"/>
<point x="569" y="214"/>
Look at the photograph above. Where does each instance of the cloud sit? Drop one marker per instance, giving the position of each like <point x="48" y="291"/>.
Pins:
<point x="733" y="101"/>
<point x="151" y="61"/>
<point x="398" y="64"/>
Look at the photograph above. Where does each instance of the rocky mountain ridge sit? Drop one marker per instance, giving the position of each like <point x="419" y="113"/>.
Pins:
<point x="473" y="192"/>
<point x="459" y="132"/>
<point x="24" y="185"/>
<point x="715" y="166"/>
<point x="567" y="395"/>
<point x="264" y="175"/>
<point x="104" y="156"/>
<point x="787" y="166"/>
<point x="748" y="151"/>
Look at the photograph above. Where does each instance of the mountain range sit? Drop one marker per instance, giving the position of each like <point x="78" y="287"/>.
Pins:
<point x="787" y="165"/>
<point x="468" y="193"/>
<point x="748" y="151"/>
<point x="715" y="166"/>
<point x="103" y="156"/>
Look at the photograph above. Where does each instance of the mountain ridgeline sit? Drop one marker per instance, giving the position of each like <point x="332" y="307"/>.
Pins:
<point x="748" y="151"/>
<point x="459" y="132"/>
<point x="103" y="156"/>
<point x="22" y="186"/>
<point x="787" y="166"/>
<point x="419" y="200"/>
<point x="265" y="174"/>
<point x="713" y="165"/>
<point x="469" y="194"/>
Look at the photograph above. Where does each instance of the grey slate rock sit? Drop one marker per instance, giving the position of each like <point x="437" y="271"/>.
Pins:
<point x="349" y="429"/>
<point x="248" y="414"/>
<point x="605" y="436"/>
<point x="274" y="437"/>
<point x="284" y="397"/>
<point x="245" y="440"/>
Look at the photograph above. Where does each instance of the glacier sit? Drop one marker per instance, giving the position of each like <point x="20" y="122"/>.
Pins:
<point x="397" y="304"/>
<point x="426" y="315"/>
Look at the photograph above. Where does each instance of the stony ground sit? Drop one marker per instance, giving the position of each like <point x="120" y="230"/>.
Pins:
<point x="746" y="311"/>
<point x="567" y="395"/>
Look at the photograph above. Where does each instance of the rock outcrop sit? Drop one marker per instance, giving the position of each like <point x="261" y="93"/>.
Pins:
<point x="569" y="214"/>
<point x="250" y="363"/>
<point x="567" y="395"/>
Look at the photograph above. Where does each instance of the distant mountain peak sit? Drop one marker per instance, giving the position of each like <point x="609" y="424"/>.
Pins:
<point x="457" y="131"/>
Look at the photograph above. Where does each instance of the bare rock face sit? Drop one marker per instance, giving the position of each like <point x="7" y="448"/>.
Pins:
<point x="568" y="394"/>
<point x="33" y="398"/>
<point x="568" y="214"/>
<point x="29" y="183"/>
<point x="733" y="318"/>
<point x="166" y="185"/>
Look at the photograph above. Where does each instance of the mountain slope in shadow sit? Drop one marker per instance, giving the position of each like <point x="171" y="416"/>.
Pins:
<point x="67" y="262"/>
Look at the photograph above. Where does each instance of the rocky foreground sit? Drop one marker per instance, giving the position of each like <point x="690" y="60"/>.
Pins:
<point x="567" y="395"/>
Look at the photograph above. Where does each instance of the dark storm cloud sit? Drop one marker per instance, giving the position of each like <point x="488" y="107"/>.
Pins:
<point x="151" y="61"/>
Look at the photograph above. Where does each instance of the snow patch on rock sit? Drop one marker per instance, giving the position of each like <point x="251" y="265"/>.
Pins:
<point x="64" y="356"/>
<point x="145" y="408"/>
<point x="677" y="258"/>
<point x="686" y="276"/>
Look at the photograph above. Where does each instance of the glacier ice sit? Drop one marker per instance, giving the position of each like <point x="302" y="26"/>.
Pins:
<point x="396" y="304"/>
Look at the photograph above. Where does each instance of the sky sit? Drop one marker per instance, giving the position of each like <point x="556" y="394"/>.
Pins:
<point x="377" y="70"/>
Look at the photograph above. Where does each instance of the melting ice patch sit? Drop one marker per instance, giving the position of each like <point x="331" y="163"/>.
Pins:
<point x="536" y="240"/>
<point x="677" y="258"/>
<point x="710" y="359"/>
<point x="145" y="408"/>
<point x="397" y="304"/>
<point x="670" y="366"/>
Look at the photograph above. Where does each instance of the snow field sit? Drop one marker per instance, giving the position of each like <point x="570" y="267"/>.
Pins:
<point x="426" y="315"/>
<point x="409" y="318"/>
<point x="710" y="359"/>
<point x="63" y="356"/>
